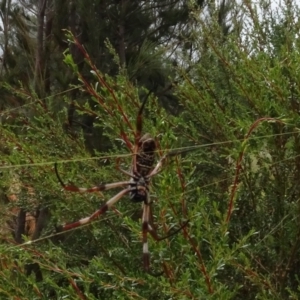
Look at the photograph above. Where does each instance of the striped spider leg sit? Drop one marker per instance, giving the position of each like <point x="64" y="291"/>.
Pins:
<point x="142" y="170"/>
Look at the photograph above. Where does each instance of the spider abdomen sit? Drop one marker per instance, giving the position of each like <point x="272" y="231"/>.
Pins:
<point x="145" y="156"/>
<point x="140" y="193"/>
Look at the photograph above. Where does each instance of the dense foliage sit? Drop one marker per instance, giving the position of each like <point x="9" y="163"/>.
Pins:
<point x="225" y="85"/>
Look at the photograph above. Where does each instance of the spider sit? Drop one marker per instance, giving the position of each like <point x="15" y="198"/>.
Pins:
<point x="142" y="170"/>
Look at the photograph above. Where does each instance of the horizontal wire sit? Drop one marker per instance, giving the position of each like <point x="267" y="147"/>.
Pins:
<point x="180" y="149"/>
<point x="175" y="151"/>
<point x="105" y="218"/>
<point x="8" y="111"/>
<point x="178" y="195"/>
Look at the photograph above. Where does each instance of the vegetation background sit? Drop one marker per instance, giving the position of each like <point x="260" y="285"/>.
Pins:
<point x="224" y="77"/>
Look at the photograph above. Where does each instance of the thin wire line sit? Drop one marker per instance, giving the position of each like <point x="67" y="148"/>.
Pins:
<point x="106" y="217"/>
<point x="179" y="150"/>
<point x="7" y="111"/>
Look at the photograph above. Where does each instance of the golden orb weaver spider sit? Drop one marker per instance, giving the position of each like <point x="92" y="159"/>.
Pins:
<point x="142" y="170"/>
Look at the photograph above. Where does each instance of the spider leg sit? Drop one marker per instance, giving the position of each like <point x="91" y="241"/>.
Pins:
<point x="98" y="212"/>
<point x="128" y="173"/>
<point x="160" y="163"/>
<point x="152" y="231"/>
<point x="145" y="225"/>
<point x="145" y="230"/>
<point x="101" y="187"/>
<point x="139" y="121"/>
<point x="158" y="166"/>
<point x="154" y="234"/>
<point x="148" y="228"/>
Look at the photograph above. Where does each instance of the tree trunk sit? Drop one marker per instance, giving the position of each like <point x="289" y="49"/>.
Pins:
<point x="39" y="58"/>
